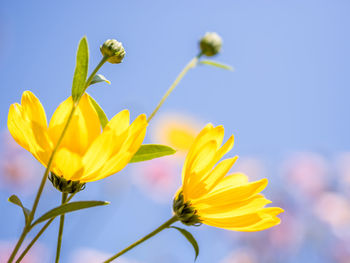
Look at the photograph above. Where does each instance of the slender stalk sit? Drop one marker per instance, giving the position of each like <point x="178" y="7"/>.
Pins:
<point x="93" y="73"/>
<point x="60" y="231"/>
<point x="153" y="233"/>
<point x="48" y="167"/>
<point x="42" y="230"/>
<point x="190" y="65"/>
<point x="25" y="251"/>
<point x="18" y="244"/>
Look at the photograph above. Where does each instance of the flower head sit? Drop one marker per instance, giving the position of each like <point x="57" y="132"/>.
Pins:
<point x="209" y="196"/>
<point x="210" y="44"/>
<point x="114" y="50"/>
<point x="86" y="153"/>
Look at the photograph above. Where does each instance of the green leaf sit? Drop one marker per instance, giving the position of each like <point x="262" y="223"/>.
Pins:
<point x="81" y="69"/>
<point x="67" y="208"/>
<point x="189" y="238"/>
<point x="15" y="200"/>
<point x="216" y="64"/>
<point x="99" y="78"/>
<point x="151" y="151"/>
<point x="101" y="114"/>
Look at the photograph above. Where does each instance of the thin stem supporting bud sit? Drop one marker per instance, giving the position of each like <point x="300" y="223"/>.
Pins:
<point x="167" y="224"/>
<point x="191" y="64"/>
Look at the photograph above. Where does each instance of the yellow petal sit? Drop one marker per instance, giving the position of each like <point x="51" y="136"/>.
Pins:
<point x="271" y="211"/>
<point x="123" y="147"/>
<point x="254" y="221"/>
<point x="120" y="122"/>
<point x="224" y="149"/>
<point x="67" y="164"/>
<point x="132" y="143"/>
<point x="19" y="126"/>
<point x="232" y="180"/>
<point x="114" y="165"/>
<point x="83" y="129"/>
<point x="235" y="208"/>
<point x="233" y="223"/>
<point x="29" y="134"/>
<point x="207" y="182"/>
<point x="33" y="109"/>
<point x="205" y="155"/>
<point x="262" y="225"/>
<point x="222" y="195"/>
<point x="208" y="133"/>
<point x="117" y="162"/>
<point x="99" y="152"/>
<point x="269" y="219"/>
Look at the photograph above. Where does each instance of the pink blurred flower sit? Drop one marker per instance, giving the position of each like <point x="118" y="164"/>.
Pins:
<point x="158" y="179"/>
<point x="343" y="169"/>
<point x="253" y="167"/>
<point x="241" y="256"/>
<point x="37" y="254"/>
<point x="289" y="235"/>
<point x="18" y="168"/>
<point x="88" y="255"/>
<point x="308" y="172"/>
<point x="334" y="209"/>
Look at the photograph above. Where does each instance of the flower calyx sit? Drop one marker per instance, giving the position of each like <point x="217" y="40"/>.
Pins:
<point x="185" y="212"/>
<point x="66" y="186"/>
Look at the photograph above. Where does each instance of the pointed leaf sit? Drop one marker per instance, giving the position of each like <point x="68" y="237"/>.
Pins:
<point x="81" y="69"/>
<point x="189" y="238"/>
<point x="99" y="78"/>
<point x="15" y="200"/>
<point x="101" y="114"/>
<point x="151" y="151"/>
<point x="67" y="208"/>
<point x="216" y="64"/>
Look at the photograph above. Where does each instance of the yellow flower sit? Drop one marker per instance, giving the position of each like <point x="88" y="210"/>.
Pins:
<point x="208" y="195"/>
<point x="86" y="153"/>
<point x="176" y="130"/>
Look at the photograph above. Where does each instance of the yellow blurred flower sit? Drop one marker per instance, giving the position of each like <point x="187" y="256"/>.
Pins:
<point x="211" y="197"/>
<point x="176" y="130"/>
<point x="86" y="154"/>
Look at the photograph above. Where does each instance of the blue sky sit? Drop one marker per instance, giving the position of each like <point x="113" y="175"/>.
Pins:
<point x="289" y="92"/>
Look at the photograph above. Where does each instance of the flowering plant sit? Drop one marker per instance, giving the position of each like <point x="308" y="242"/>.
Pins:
<point x="80" y="145"/>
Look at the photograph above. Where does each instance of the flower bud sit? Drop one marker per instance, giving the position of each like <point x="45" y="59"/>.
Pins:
<point x="185" y="212"/>
<point x="66" y="186"/>
<point x="210" y="44"/>
<point x="114" y="50"/>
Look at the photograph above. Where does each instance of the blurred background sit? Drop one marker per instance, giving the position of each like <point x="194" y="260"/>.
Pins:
<point x="287" y="103"/>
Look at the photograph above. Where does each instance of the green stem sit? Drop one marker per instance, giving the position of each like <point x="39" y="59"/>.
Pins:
<point x="87" y="83"/>
<point x="48" y="167"/>
<point x="190" y="65"/>
<point x="153" y="233"/>
<point x="19" y="243"/>
<point x="42" y="230"/>
<point x="25" y="251"/>
<point x="60" y="231"/>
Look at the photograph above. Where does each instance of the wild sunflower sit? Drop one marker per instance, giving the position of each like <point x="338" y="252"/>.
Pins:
<point x="86" y="153"/>
<point x="209" y="196"/>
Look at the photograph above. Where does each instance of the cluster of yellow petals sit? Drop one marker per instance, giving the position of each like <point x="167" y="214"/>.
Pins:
<point x="221" y="200"/>
<point x="86" y="153"/>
